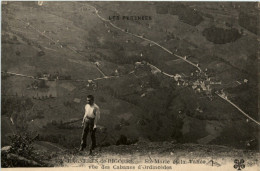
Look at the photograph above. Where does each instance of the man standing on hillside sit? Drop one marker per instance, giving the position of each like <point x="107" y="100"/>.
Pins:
<point x="89" y="123"/>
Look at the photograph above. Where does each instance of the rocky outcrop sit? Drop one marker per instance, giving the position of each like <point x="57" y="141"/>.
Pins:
<point x="8" y="157"/>
<point x="22" y="160"/>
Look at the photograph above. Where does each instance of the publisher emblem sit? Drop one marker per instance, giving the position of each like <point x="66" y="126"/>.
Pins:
<point x="239" y="164"/>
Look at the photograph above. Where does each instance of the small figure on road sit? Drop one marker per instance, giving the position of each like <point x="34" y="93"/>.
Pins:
<point x="89" y="123"/>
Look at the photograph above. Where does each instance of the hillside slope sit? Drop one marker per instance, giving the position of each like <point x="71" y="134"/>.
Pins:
<point x="157" y="79"/>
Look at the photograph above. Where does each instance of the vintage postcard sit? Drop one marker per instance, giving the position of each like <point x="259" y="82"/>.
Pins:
<point x="129" y="85"/>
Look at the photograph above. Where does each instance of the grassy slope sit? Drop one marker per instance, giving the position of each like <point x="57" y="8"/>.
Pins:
<point x="83" y="31"/>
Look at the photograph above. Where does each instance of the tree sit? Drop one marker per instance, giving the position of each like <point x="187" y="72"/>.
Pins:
<point x="42" y="84"/>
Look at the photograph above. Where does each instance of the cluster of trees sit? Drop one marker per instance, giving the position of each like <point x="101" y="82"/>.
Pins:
<point x="38" y="84"/>
<point x="186" y="14"/>
<point x="221" y="35"/>
<point x="189" y="16"/>
<point x="43" y="97"/>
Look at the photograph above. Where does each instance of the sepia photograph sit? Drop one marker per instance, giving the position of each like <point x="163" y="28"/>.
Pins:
<point x="130" y="85"/>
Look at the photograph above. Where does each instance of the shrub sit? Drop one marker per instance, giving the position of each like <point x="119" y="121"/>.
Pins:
<point x="118" y="127"/>
<point x="14" y="38"/>
<point x="141" y="122"/>
<point x="18" y="53"/>
<point x="176" y="134"/>
<point x="124" y="122"/>
<point x="42" y="84"/>
<point x="41" y="53"/>
<point x="122" y="140"/>
<point x="21" y="145"/>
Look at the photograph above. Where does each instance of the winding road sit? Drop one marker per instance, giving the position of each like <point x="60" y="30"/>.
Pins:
<point x="178" y="56"/>
<point x="140" y="37"/>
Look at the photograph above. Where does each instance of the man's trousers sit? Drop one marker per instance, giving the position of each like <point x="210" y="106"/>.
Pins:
<point x="88" y="128"/>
